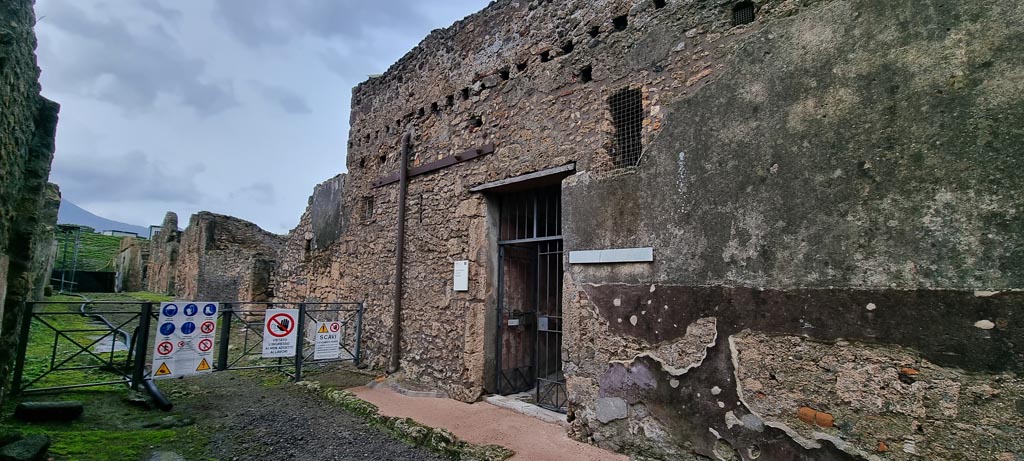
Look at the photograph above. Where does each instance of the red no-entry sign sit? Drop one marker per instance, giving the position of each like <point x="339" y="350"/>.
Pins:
<point x="205" y="345"/>
<point x="207" y="327"/>
<point x="280" y="325"/>
<point x="165" y="348"/>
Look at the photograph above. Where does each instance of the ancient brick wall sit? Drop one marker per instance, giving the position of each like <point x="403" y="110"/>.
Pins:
<point x="830" y="192"/>
<point x="163" y="256"/>
<point x="27" y="128"/>
<point x="130" y="264"/>
<point x="223" y="258"/>
<point x="45" y="242"/>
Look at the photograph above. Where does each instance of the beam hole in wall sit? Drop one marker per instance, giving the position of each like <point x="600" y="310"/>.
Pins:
<point x="545" y="56"/>
<point x="476" y="122"/>
<point x="627" y="110"/>
<point x="421" y="112"/>
<point x="362" y="162"/>
<point x="594" y="31"/>
<point x="504" y="73"/>
<point x="521" y="66"/>
<point x="743" y="13"/>
<point x="659" y="4"/>
<point x="465" y="94"/>
<point x="449" y="100"/>
<point x="433" y="107"/>
<point x="586" y="74"/>
<point x="567" y="47"/>
<point x="620" y="22"/>
<point x="383" y="159"/>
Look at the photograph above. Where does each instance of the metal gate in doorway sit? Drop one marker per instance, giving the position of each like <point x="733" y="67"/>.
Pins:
<point x="529" y="333"/>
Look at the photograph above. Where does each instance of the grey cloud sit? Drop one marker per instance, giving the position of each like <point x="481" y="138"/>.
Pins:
<point x="284" y="98"/>
<point x="127" y="177"/>
<point x="273" y="22"/>
<point x="258" y="192"/>
<point x="128" y="67"/>
<point x="155" y="7"/>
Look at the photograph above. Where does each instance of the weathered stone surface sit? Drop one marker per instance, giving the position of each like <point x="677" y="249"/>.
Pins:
<point x="46" y="244"/>
<point x="130" y="264"/>
<point x="838" y="173"/>
<point x="48" y="411"/>
<point x="609" y="409"/>
<point x="27" y="129"/>
<point x="163" y="256"/>
<point x="31" y="448"/>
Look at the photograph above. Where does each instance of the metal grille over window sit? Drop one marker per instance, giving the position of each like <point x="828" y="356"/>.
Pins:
<point x="743" y="13"/>
<point x="627" y="110"/>
<point x="367" y="209"/>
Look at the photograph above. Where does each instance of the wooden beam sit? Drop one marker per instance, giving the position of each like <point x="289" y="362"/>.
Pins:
<point x="448" y="161"/>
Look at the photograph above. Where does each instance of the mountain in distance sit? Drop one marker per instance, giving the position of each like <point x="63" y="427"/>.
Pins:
<point x="70" y="213"/>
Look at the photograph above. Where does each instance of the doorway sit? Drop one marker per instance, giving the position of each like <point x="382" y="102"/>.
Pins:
<point x="529" y="330"/>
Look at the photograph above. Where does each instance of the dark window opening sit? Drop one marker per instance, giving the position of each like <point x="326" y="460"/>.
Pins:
<point x="309" y="245"/>
<point x="659" y="4"/>
<point x="465" y="94"/>
<point x="521" y="66"/>
<point x="433" y="107"/>
<point x="383" y="159"/>
<point x="398" y="123"/>
<point x="594" y="31"/>
<point x="367" y="208"/>
<point x="545" y="56"/>
<point x="568" y="47"/>
<point x="504" y="73"/>
<point x="586" y="74"/>
<point x="449" y="100"/>
<point x="362" y="163"/>
<point x="421" y="112"/>
<point x="620" y="22"/>
<point x="743" y="13"/>
<point x="627" y="111"/>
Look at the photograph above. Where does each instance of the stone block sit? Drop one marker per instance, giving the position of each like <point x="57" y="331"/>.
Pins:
<point x="609" y="409"/>
<point x="31" y="448"/>
<point x="48" y="411"/>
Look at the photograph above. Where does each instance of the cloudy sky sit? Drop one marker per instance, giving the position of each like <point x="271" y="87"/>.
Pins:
<point x="233" y="106"/>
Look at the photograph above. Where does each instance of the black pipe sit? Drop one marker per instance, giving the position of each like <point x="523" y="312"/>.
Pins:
<point x="396" y="313"/>
<point x="158" y="398"/>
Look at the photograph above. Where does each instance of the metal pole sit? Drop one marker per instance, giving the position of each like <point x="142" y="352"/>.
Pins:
<point x="396" y="313"/>
<point x="23" y="336"/>
<point x="74" y="261"/>
<point x="64" y="257"/>
<point x="225" y="337"/>
<point x="300" y="341"/>
<point x="141" y="343"/>
<point x="359" y="334"/>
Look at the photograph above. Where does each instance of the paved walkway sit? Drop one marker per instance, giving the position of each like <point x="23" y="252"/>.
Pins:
<point x="482" y="423"/>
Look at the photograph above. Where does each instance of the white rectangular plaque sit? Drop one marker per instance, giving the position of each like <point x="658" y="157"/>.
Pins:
<point x="461" y="275"/>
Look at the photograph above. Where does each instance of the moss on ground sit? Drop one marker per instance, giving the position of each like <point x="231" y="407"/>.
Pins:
<point x="408" y="430"/>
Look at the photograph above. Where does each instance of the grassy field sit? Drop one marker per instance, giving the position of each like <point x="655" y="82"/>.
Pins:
<point x="110" y="428"/>
<point x="96" y="252"/>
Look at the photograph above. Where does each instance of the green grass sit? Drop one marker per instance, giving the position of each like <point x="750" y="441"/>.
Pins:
<point x="96" y="252"/>
<point x="109" y="429"/>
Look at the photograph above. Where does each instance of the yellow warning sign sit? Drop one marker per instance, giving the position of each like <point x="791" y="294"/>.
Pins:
<point x="203" y="365"/>
<point x="163" y="370"/>
<point x="323" y="328"/>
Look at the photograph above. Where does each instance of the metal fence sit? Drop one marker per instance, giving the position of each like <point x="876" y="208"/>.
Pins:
<point x="113" y="347"/>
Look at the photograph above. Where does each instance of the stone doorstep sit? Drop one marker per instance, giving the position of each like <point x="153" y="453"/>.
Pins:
<point x="396" y="387"/>
<point x="527" y="409"/>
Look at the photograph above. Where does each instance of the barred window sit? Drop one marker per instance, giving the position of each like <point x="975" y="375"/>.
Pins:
<point x="743" y="13"/>
<point x="367" y="209"/>
<point x="627" y="109"/>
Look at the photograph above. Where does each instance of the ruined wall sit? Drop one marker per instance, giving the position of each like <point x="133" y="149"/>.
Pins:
<point x="224" y="258"/>
<point x="45" y="242"/>
<point x="163" y="256"/>
<point x="27" y="128"/>
<point x="130" y="264"/>
<point x="831" y="193"/>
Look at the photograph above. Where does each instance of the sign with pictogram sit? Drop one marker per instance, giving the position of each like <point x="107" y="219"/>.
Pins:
<point x="327" y="345"/>
<point x="184" y="340"/>
<point x="279" y="335"/>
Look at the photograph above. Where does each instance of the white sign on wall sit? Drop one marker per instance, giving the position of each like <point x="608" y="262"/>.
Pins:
<point x="184" y="339"/>
<point x="461" y="276"/>
<point x="327" y="344"/>
<point x="279" y="335"/>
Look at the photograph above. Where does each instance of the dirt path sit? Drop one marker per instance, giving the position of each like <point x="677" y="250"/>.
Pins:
<point x="248" y="418"/>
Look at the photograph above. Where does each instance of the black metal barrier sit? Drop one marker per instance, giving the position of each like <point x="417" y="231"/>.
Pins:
<point x="81" y="357"/>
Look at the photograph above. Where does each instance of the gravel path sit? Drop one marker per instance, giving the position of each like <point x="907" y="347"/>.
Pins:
<point x="252" y="420"/>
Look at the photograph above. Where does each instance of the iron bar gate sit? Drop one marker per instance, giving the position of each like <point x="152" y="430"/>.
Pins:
<point x="57" y="353"/>
<point x="530" y="270"/>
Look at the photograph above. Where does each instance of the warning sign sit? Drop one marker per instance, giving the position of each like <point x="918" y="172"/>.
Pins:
<point x="279" y="333"/>
<point x="184" y="342"/>
<point x="327" y="344"/>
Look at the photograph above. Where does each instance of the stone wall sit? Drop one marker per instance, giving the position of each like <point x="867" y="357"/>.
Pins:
<point x="163" y="256"/>
<point x="27" y="128"/>
<point x="831" y="194"/>
<point x="130" y="264"/>
<point x="223" y="258"/>
<point x="45" y="242"/>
